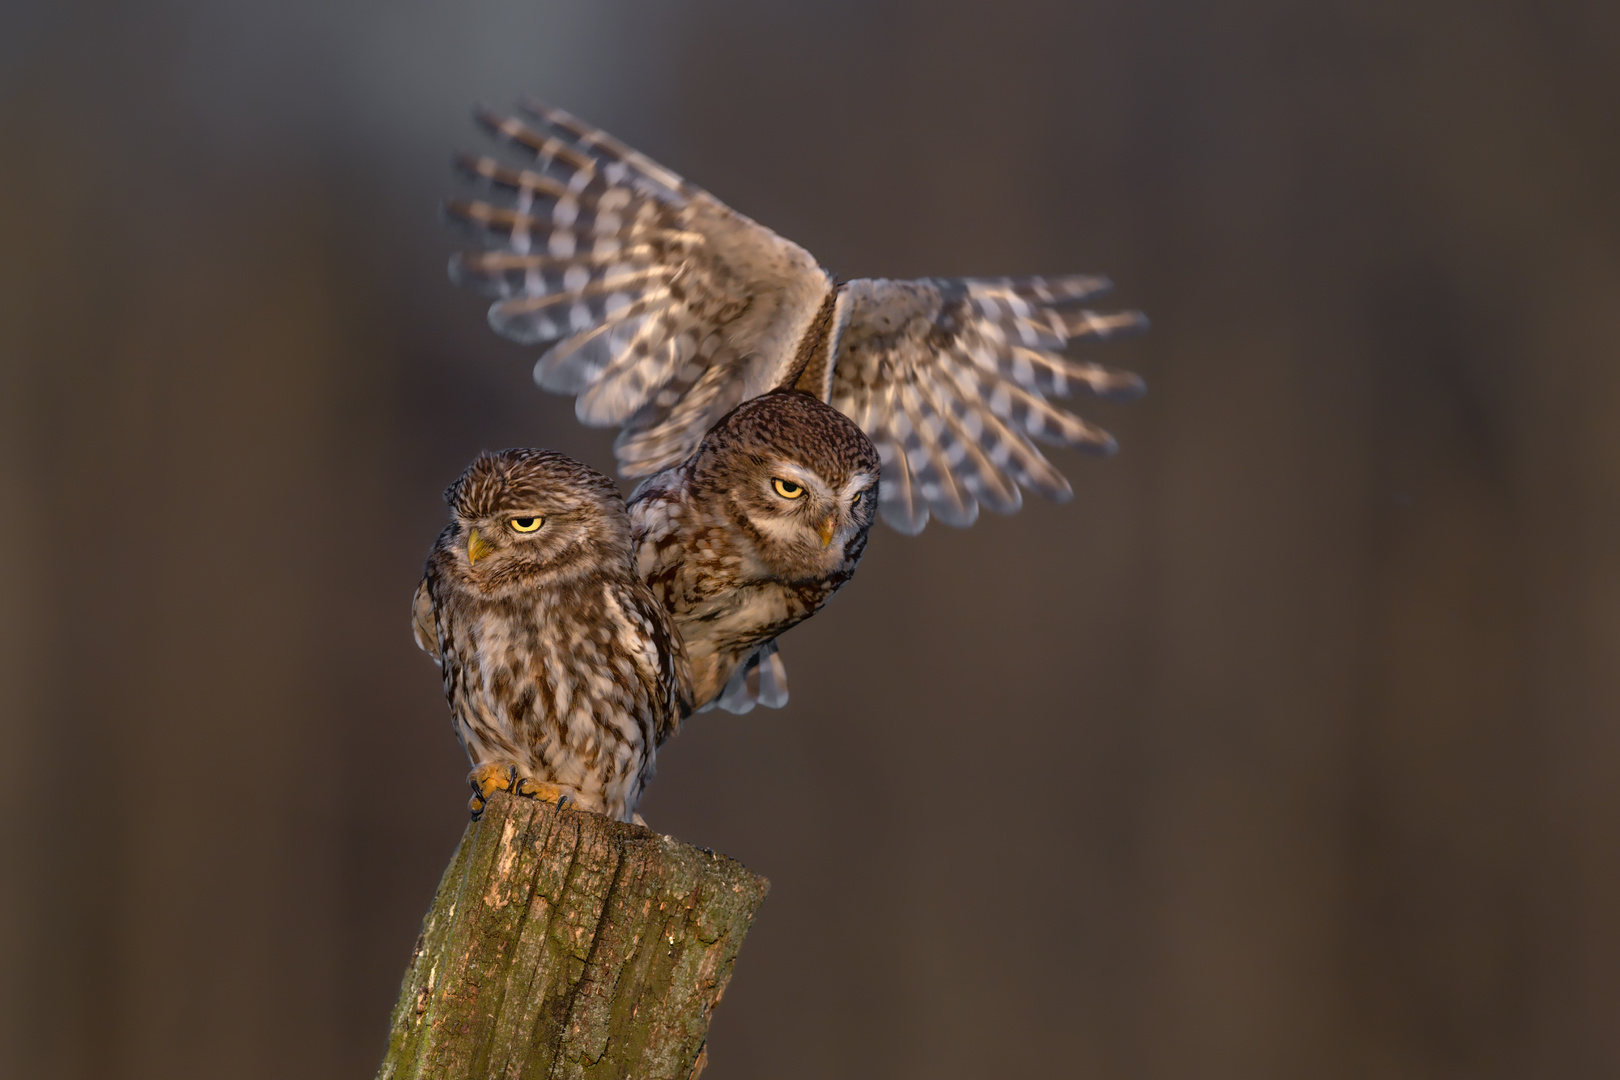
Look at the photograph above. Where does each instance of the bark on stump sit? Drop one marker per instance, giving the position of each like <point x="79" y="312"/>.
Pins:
<point x="562" y="944"/>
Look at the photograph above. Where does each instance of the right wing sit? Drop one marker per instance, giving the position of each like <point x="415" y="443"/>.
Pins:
<point x="662" y="307"/>
<point x="424" y="625"/>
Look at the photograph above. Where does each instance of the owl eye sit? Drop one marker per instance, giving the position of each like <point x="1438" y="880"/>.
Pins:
<point x="787" y="488"/>
<point x="526" y="524"/>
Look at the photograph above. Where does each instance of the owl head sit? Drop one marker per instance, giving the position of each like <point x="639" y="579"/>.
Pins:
<point x="521" y="518"/>
<point x="799" y="478"/>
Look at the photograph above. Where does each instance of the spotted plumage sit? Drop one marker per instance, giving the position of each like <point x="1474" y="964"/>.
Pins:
<point x="752" y="534"/>
<point x="664" y="309"/>
<point x="562" y="670"/>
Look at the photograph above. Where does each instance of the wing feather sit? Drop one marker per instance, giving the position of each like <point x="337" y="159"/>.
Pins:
<point x="899" y="494"/>
<point x="951" y="377"/>
<point x="929" y="453"/>
<point x="662" y="307"/>
<point x="988" y="484"/>
<point x="425" y="624"/>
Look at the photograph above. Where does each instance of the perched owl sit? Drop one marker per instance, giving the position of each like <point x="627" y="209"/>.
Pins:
<point x="664" y="310"/>
<point x="562" y="670"/>
<point x="752" y="534"/>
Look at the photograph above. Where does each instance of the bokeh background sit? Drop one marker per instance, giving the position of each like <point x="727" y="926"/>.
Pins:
<point x="1290" y="747"/>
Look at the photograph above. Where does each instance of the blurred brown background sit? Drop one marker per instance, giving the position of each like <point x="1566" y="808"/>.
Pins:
<point x="1288" y="749"/>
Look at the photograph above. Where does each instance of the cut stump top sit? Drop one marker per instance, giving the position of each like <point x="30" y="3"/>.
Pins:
<point x="564" y="944"/>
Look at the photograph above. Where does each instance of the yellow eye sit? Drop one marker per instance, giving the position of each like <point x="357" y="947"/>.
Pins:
<point x="526" y="524"/>
<point x="787" y="488"/>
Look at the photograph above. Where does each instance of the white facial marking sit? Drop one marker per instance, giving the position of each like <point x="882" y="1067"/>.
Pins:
<point x="783" y="529"/>
<point x="859" y="482"/>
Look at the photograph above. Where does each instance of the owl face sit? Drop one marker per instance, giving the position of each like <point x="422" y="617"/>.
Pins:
<point x="803" y="514"/>
<point x="521" y="518"/>
<point x="799" y="476"/>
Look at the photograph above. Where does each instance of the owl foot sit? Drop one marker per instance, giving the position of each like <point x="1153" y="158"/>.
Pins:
<point x="530" y="788"/>
<point x="486" y="780"/>
<point x="491" y="777"/>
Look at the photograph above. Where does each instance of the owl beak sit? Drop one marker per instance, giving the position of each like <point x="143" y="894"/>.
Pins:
<point x="827" y="529"/>
<point x="477" y="546"/>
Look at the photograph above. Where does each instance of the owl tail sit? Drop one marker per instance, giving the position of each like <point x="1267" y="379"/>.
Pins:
<point x="762" y="680"/>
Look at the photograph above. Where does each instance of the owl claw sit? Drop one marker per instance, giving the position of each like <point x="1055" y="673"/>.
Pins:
<point x="486" y="780"/>
<point x="530" y="788"/>
<point x="491" y="777"/>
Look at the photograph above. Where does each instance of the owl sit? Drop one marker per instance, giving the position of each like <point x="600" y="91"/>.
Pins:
<point x="562" y="670"/>
<point x="663" y="310"/>
<point x="752" y="534"/>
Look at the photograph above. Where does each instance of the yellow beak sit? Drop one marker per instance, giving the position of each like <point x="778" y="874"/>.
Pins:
<point x="827" y="530"/>
<point x="477" y="546"/>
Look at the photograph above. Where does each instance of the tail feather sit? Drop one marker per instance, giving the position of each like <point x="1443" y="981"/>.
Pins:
<point x="761" y="680"/>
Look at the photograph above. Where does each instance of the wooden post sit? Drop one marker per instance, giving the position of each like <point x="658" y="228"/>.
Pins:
<point x="562" y="944"/>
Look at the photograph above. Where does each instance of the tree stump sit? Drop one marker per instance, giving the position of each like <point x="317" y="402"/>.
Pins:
<point x="563" y="944"/>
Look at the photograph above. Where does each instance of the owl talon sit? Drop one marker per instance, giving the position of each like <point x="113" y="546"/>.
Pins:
<point x="486" y="780"/>
<point x="530" y="788"/>
<point x="492" y="776"/>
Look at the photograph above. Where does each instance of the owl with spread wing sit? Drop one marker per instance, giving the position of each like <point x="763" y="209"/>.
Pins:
<point x="663" y="311"/>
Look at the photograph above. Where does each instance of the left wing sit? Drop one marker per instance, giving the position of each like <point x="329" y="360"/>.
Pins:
<point x="950" y="378"/>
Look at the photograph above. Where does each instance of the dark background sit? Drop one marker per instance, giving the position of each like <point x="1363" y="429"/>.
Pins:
<point x="1288" y="749"/>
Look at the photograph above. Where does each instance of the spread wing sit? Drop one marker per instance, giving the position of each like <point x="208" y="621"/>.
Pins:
<point x="662" y="307"/>
<point x="951" y="379"/>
